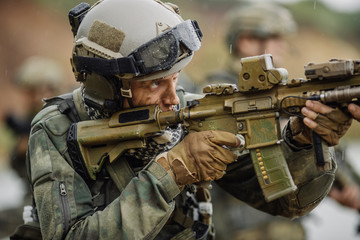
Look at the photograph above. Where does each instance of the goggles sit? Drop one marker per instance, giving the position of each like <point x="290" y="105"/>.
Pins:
<point x="160" y="53"/>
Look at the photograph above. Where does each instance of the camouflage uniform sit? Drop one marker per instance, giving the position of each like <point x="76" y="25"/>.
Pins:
<point x="143" y="207"/>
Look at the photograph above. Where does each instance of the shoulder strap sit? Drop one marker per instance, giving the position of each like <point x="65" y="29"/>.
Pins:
<point x="65" y="104"/>
<point x="120" y="172"/>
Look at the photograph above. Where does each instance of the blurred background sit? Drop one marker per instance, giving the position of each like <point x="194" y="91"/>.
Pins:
<point x="326" y="29"/>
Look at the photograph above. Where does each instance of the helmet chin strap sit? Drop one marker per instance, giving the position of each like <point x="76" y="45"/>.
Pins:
<point x="126" y="92"/>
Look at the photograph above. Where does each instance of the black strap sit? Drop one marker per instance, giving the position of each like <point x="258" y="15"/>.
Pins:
<point x="319" y="155"/>
<point x="106" y="67"/>
<point x="74" y="153"/>
<point x="201" y="230"/>
<point x="65" y="105"/>
<point x="68" y="107"/>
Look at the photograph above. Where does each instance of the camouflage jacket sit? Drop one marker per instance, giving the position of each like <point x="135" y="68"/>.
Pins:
<point x="146" y="205"/>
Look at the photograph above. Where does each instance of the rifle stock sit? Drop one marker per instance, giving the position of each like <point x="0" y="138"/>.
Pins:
<point x="252" y="110"/>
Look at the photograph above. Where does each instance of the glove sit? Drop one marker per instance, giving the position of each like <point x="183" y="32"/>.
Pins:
<point x="329" y="123"/>
<point x="200" y="157"/>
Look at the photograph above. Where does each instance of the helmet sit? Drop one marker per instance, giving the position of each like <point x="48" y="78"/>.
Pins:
<point x="259" y="20"/>
<point x="119" y="41"/>
<point x="36" y="71"/>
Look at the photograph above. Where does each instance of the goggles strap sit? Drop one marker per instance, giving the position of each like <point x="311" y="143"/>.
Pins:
<point x="106" y="67"/>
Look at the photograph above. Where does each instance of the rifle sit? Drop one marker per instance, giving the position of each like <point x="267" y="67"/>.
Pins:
<point x="252" y="110"/>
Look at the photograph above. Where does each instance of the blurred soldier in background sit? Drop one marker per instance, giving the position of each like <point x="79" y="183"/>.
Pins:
<point x="37" y="78"/>
<point x="256" y="29"/>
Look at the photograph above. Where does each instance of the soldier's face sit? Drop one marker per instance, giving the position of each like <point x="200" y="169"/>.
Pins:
<point x="160" y="91"/>
<point x="252" y="46"/>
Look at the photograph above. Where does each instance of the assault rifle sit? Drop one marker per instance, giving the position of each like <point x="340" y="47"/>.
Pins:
<point x="252" y="110"/>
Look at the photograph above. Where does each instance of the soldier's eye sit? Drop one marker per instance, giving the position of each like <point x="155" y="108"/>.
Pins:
<point x="154" y="84"/>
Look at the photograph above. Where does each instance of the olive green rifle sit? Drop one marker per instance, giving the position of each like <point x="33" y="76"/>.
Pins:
<point x="252" y="110"/>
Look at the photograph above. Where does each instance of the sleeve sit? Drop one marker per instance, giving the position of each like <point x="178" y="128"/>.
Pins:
<point x="312" y="183"/>
<point x="64" y="201"/>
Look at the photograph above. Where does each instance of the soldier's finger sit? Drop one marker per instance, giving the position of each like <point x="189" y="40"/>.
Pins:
<point x="328" y="122"/>
<point x="223" y="155"/>
<point x="354" y="110"/>
<point x="319" y="129"/>
<point x="225" y="138"/>
<point x="310" y="123"/>
<point x="326" y="133"/>
<point x="318" y="107"/>
<point x="309" y="113"/>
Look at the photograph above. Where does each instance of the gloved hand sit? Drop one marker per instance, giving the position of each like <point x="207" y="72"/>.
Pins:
<point x="329" y="123"/>
<point x="200" y="157"/>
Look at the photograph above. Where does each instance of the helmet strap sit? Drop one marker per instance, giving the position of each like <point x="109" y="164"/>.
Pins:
<point x="126" y="92"/>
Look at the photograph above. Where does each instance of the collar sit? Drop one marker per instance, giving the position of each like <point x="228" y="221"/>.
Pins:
<point x="78" y="104"/>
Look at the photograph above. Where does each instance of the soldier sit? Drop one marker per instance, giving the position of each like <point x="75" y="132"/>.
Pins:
<point x="152" y="192"/>
<point x="254" y="29"/>
<point x="37" y="77"/>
